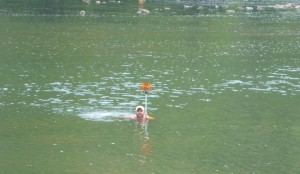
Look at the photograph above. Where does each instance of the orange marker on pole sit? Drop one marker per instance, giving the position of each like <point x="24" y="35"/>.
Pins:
<point x="146" y="87"/>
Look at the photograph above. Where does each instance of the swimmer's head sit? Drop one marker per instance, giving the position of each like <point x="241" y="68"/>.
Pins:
<point x="139" y="108"/>
<point x="139" y="111"/>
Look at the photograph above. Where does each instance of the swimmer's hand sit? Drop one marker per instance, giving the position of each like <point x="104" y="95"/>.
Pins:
<point x="150" y="118"/>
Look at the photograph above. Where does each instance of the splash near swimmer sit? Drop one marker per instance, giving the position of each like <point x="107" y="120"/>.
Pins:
<point x="104" y="116"/>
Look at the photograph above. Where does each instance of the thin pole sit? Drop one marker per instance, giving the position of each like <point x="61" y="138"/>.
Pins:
<point x="146" y="92"/>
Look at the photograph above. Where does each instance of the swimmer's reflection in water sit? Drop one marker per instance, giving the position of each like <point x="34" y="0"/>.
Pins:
<point x="143" y="135"/>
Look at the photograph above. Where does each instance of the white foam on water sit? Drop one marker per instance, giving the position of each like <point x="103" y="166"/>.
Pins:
<point x="105" y="116"/>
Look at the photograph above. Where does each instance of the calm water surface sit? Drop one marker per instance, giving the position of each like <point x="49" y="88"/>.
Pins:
<point x="225" y="93"/>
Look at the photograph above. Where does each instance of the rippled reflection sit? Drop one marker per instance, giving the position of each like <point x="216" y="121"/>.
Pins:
<point x="145" y="142"/>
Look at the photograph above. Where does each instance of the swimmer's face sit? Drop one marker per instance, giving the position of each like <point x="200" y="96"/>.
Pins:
<point x="139" y="113"/>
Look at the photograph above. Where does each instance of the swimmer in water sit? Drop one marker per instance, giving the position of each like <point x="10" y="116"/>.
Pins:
<point x="140" y="114"/>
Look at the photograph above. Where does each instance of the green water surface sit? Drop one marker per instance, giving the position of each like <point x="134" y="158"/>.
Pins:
<point x="225" y="93"/>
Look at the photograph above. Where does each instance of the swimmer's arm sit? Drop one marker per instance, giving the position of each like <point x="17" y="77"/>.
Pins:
<point x="130" y="117"/>
<point x="134" y="117"/>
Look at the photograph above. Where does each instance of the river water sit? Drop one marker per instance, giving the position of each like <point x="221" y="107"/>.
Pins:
<point x="225" y="93"/>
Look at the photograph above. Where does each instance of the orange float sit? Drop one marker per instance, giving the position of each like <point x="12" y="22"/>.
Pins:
<point x="146" y="87"/>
